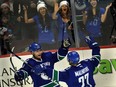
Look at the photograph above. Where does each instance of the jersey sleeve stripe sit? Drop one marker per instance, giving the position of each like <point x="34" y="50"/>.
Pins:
<point x="59" y="56"/>
<point x="51" y="84"/>
<point x="55" y="75"/>
<point x="97" y="57"/>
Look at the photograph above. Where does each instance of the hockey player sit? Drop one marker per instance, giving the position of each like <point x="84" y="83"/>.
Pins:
<point x="79" y="74"/>
<point x="41" y="58"/>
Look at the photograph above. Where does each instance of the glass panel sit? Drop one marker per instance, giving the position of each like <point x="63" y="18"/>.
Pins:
<point x="14" y="31"/>
<point x="93" y="18"/>
<point x="23" y="24"/>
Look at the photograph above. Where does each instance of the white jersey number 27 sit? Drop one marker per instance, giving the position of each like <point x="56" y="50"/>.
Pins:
<point x="84" y="80"/>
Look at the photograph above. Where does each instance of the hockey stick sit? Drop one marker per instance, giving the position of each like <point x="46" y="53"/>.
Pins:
<point x="20" y="58"/>
<point x="11" y="55"/>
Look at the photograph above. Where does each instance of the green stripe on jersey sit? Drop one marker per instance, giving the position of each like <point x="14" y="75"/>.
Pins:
<point x="54" y="81"/>
<point x="55" y="75"/>
<point x="51" y="84"/>
<point x="60" y="57"/>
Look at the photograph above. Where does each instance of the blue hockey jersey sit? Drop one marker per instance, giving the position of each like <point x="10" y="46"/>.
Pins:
<point x="93" y="26"/>
<point x="44" y="32"/>
<point x="77" y="76"/>
<point x="48" y="59"/>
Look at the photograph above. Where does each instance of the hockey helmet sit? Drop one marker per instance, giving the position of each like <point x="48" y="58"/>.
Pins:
<point x="34" y="47"/>
<point x="73" y="57"/>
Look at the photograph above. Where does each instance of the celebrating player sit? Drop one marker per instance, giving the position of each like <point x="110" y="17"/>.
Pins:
<point x="79" y="74"/>
<point x="41" y="58"/>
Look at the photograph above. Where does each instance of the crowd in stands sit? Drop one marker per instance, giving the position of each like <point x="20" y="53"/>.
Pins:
<point x="26" y="21"/>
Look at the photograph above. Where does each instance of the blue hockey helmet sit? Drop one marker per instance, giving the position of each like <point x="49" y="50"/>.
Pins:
<point x="34" y="47"/>
<point x="73" y="57"/>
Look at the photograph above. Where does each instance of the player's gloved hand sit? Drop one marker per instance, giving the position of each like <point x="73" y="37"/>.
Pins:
<point x="91" y="43"/>
<point x="66" y="43"/>
<point x="19" y="75"/>
<point x="38" y="69"/>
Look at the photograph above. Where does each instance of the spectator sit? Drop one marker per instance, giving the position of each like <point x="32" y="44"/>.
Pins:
<point x="20" y="29"/>
<point x="93" y="17"/>
<point x="32" y="11"/>
<point x="6" y="28"/>
<point x="6" y="11"/>
<point x="62" y="15"/>
<point x="10" y="3"/>
<point x="43" y="20"/>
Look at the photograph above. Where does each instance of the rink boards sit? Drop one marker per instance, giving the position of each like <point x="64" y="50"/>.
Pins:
<point x="105" y="73"/>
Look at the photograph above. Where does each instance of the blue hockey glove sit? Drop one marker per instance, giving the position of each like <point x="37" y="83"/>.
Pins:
<point x="38" y="69"/>
<point x="20" y="75"/>
<point x="91" y="43"/>
<point x="66" y="43"/>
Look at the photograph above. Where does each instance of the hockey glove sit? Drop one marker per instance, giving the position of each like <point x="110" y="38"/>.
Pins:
<point x="66" y="43"/>
<point x="20" y="75"/>
<point x="91" y="43"/>
<point x="38" y="69"/>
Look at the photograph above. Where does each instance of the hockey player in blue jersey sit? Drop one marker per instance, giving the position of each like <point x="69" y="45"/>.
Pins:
<point x="79" y="74"/>
<point x="41" y="58"/>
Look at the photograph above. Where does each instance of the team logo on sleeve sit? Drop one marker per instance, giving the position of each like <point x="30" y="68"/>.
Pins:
<point x="44" y="76"/>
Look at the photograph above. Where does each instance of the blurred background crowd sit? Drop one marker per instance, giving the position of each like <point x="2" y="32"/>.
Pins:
<point x="48" y="22"/>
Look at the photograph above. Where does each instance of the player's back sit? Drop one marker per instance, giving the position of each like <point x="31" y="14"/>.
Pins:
<point x="81" y="75"/>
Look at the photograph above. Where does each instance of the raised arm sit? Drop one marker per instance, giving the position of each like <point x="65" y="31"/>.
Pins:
<point x="94" y="46"/>
<point x="63" y="50"/>
<point x="56" y="8"/>
<point x="84" y="17"/>
<point x="103" y="17"/>
<point x="31" y="20"/>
